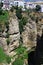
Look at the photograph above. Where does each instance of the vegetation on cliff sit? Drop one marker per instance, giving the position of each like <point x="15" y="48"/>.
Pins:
<point x="4" y="20"/>
<point x="4" y="57"/>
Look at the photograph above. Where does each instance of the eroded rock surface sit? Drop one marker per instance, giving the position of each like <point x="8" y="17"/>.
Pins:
<point x="11" y="37"/>
<point x="31" y="30"/>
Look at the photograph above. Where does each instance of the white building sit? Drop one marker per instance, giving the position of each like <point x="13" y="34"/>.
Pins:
<point x="30" y="5"/>
<point x="19" y="3"/>
<point x="33" y="5"/>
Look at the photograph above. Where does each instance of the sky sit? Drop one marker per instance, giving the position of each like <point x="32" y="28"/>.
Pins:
<point x="33" y="0"/>
<point x="30" y="0"/>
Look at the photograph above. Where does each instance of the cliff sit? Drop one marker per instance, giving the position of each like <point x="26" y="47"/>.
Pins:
<point x="10" y="36"/>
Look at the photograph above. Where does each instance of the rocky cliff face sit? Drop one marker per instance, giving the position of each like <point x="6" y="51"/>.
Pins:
<point x="30" y="34"/>
<point x="31" y="30"/>
<point x="12" y="38"/>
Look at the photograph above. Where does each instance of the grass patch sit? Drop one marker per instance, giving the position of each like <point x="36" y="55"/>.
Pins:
<point x="22" y="54"/>
<point x="18" y="61"/>
<point x="20" y="50"/>
<point x="4" y="57"/>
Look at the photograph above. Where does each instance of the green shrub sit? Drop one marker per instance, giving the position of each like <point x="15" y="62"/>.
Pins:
<point x="18" y="61"/>
<point x="8" y="59"/>
<point x="25" y="55"/>
<point x="4" y="57"/>
<point x="18" y="13"/>
<point x="22" y="22"/>
<point x="20" y="26"/>
<point x="20" y="50"/>
<point x="3" y="20"/>
<point x="22" y="54"/>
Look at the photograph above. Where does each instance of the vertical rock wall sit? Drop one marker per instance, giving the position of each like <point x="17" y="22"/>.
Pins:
<point x="31" y="30"/>
<point x="13" y="36"/>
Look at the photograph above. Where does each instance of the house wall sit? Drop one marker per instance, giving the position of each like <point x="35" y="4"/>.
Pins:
<point x="41" y="8"/>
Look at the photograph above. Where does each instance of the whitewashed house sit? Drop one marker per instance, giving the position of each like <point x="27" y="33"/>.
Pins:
<point x="33" y="5"/>
<point x="19" y="3"/>
<point x="29" y="5"/>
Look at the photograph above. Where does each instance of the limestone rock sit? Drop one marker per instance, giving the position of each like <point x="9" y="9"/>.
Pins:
<point x="4" y="34"/>
<point x="30" y="34"/>
<point x="12" y="53"/>
<point x="14" y="37"/>
<point x="3" y="43"/>
<point x="14" y="45"/>
<point x="39" y="28"/>
<point x="13" y="26"/>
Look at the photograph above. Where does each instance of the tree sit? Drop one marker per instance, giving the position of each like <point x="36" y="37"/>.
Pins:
<point x="38" y="8"/>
